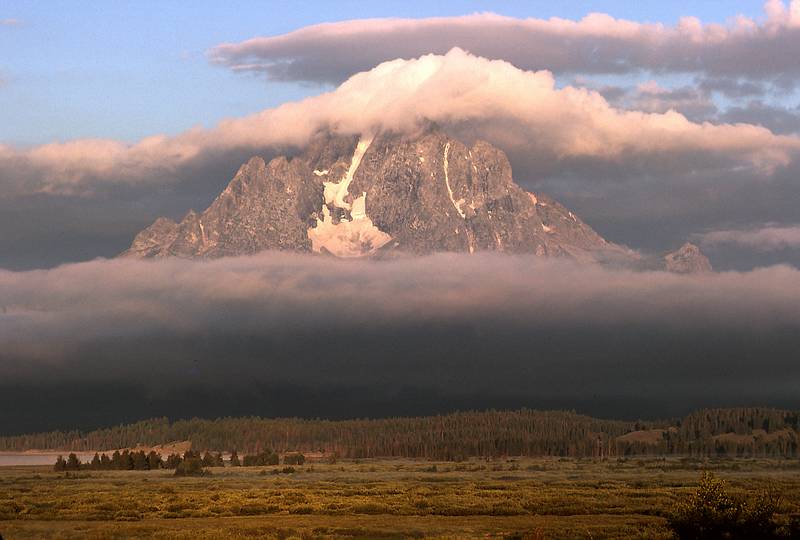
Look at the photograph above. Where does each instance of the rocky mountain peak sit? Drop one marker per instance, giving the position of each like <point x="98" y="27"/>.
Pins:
<point x="688" y="259"/>
<point x="356" y="196"/>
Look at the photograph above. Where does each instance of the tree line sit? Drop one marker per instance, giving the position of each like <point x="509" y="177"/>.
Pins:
<point x="190" y="460"/>
<point x="127" y="460"/>
<point x="735" y="431"/>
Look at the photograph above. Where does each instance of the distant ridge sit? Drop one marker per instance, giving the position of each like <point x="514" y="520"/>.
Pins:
<point x="709" y="432"/>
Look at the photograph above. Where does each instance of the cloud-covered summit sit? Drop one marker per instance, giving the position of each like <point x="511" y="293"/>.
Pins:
<point x="515" y="109"/>
<point x="632" y="174"/>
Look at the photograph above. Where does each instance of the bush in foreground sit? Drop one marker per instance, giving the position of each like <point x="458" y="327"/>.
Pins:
<point x="710" y="513"/>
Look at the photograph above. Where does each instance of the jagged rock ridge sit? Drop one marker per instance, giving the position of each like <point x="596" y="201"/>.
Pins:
<point x="364" y="196"/>
<point x="688" y="259"/>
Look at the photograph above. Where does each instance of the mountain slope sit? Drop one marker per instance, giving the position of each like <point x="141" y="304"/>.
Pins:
<point x="354" y="197"/>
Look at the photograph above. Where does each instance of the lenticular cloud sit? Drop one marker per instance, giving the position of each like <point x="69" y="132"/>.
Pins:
<point x="598" y="43"/>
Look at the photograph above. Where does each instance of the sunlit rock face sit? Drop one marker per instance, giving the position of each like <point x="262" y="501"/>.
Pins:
<point x="688" y="259"/>
<point x="379" y="194"/>
<point x="265" y="206"/>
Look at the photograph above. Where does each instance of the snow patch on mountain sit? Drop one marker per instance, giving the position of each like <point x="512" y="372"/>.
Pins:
<point x="456" y="205"/>
<point x="355" y="236"/>
<point x="348" y="238"/>
<point x="336" y="192"/>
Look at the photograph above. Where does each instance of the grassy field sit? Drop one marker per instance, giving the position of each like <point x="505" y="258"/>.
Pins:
<point x="510" y="498"/>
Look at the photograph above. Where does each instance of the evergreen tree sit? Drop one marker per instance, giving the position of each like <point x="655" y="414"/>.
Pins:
<point x="173" y="460"/>
<point x="154" y="460"/>
<point x="139" y="460"/>
<point x="73" y="463"/>
<point x="127" y="461"/>
<point x="116" y="460"/>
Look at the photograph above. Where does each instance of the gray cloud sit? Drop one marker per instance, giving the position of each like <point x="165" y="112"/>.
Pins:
<point x="695" y="104"/>
<point x="732" y="87"/>
<point x="778" y="119"/>
<point x="598" y="43"/>
<point x="485" y="330"/>
<point x="765" y="238"/>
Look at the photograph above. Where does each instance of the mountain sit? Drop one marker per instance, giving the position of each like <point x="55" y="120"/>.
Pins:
<point x="687" y="260"/>
<point x="374" y="196"/>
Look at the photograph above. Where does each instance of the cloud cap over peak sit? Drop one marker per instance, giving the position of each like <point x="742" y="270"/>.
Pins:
<point x="510" y="107"/>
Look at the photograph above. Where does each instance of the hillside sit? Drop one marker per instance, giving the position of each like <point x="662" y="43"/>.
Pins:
<point x="732" y="432"/>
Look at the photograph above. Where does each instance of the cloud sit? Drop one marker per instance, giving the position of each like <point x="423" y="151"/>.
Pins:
<point x="766" y="238"/>
<point x="518" y="110"/>
<point x="9" y="22"/>
<point x="776" y="118"/>
<point x="644" y="179"/>
<point x="731" y="87"/>
<point x="598" y="43"/>
<point x="486" y="329"/>
<point x="694" y="103"/>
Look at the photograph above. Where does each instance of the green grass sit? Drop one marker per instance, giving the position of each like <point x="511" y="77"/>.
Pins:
<point x="520" y="498"/>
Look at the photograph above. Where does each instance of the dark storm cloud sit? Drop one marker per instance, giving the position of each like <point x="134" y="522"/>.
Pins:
<point x="475" y="330"/>
<point x="49" y="228"/>
<point x="598" y="43"/>
<point x="659" y="211"/>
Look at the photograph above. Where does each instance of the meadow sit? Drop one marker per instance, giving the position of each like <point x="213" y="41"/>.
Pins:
<point x="503" y="498"/>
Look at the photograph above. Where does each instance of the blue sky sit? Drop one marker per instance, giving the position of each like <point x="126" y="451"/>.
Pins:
<point x="126" y="70"/>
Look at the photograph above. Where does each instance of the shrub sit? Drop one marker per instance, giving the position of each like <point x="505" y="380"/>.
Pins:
<point x="711" y="513"/>
<point x="61" y="464"/>
<point x="191" y="467"/>
<point x="268" y="457"/>
<point x="294" y="459"/>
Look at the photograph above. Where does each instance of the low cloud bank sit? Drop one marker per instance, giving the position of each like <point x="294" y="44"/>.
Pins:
<point x="453" y="330"/>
